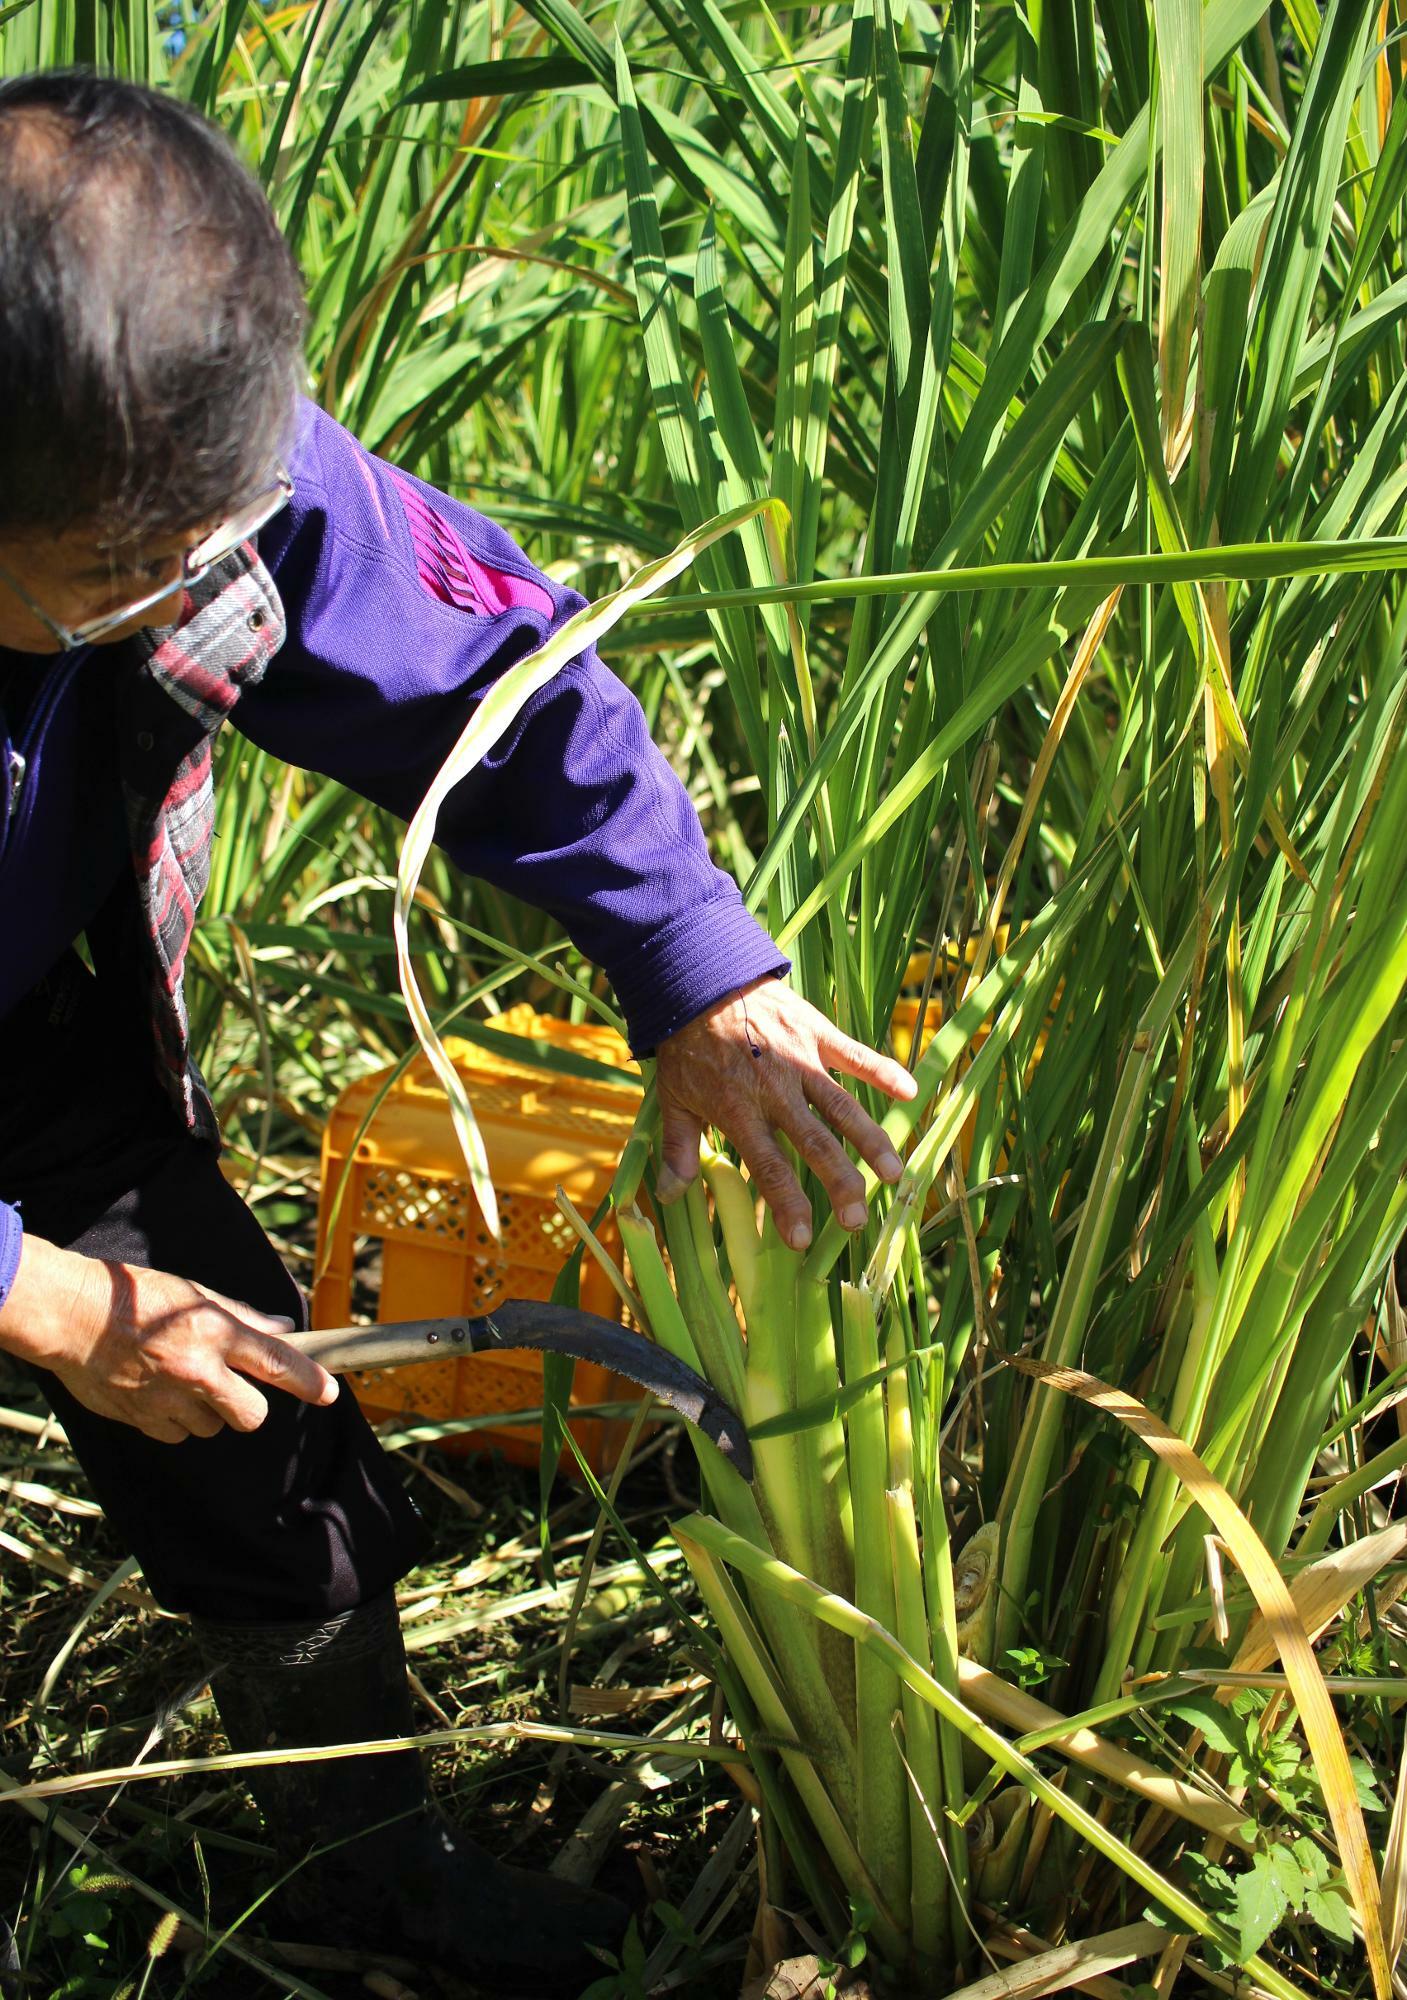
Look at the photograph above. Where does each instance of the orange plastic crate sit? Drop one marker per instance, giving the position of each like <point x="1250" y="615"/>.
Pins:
<point x="406" y="1189"/>
<point x="904" y="1024"/>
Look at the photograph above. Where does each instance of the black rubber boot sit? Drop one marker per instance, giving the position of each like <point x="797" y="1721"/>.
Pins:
<point x="402" y="1879"/>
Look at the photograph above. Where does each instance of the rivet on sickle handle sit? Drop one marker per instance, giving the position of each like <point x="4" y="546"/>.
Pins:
<point x="558" y="1330"/>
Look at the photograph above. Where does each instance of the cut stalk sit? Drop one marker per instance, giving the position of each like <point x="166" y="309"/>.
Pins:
<point x="827" y="1492"/>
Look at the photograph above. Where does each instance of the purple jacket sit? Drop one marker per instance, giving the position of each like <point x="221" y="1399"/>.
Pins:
<point x="402" y="607"/>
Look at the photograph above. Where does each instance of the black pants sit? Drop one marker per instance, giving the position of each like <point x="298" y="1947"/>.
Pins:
<point x="304" y="1516"/>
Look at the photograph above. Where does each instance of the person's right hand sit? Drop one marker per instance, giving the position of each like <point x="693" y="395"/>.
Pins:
<point x="161" y="1353"/>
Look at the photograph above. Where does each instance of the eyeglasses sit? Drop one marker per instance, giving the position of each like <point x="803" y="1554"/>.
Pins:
<point x="195" y="563"/>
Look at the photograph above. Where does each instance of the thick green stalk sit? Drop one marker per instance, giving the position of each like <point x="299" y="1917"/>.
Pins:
<point x="703" y="1295"/>
<point x="929" y="1831"/>
<point x="667" y="1322"/>
<point x="882" y="1813"/>
<point x="770" y="1391"/>
<point x="734" y="1201"/>
<point x="827" y="1491"/>
<point x="792" y="1362"/>
<point x="800" y="1476"/>
<point x="942" y="1639"/>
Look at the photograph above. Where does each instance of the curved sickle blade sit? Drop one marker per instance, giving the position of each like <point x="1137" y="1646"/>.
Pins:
<point x="548" y="1328"/>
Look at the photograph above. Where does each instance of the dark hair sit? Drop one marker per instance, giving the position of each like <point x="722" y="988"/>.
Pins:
<point x="151" y="313"/>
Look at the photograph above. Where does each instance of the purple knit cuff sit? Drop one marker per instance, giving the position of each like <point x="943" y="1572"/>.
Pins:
<point x="683" y="969"/>
<point x="11" y="1242"/>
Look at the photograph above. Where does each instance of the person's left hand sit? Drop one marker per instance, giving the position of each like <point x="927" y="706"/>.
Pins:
<point x="755" y="1064"/>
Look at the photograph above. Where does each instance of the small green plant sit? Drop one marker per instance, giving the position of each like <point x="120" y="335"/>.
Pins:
<point x="853" y="1952"/>
<point x="1030" y="1667"/>
<point x="80" y="1927"/>
<point x="1284" y="1881"/>
<point x="626" y="1979"/>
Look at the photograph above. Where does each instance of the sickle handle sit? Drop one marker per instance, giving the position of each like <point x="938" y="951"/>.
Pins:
<point x="339" y="1348"/>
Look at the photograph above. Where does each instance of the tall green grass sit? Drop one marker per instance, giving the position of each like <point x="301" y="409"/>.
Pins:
<point x="1052" y="295"/>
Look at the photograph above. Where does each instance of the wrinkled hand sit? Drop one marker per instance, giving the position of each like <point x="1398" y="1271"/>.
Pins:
<point x="755" y="1064"/>
<point x="169" y="1357"/>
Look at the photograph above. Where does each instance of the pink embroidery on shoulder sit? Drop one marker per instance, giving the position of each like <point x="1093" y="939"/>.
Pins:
<point x="449" y="572"/>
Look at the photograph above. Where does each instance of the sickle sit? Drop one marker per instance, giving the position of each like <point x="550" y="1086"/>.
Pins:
<point x="558" y="1330"/>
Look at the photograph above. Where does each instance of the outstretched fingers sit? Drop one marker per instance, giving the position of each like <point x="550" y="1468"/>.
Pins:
<point x="850" y="1119"/>
<point x="866" y="1065"/>
<point x="828" y="1160"/>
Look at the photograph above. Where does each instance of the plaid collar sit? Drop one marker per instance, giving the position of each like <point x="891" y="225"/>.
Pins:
<point x="230" y="627"/>
<point x="188" y="678"/>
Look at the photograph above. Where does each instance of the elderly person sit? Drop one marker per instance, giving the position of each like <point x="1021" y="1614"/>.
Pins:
<point x="183" y="542"/>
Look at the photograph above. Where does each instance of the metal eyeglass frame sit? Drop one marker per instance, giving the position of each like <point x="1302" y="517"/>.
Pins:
<point x="222" y="541"/>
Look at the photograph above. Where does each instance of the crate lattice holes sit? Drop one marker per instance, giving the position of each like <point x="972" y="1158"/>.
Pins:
<point x="403" y="1188"/>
